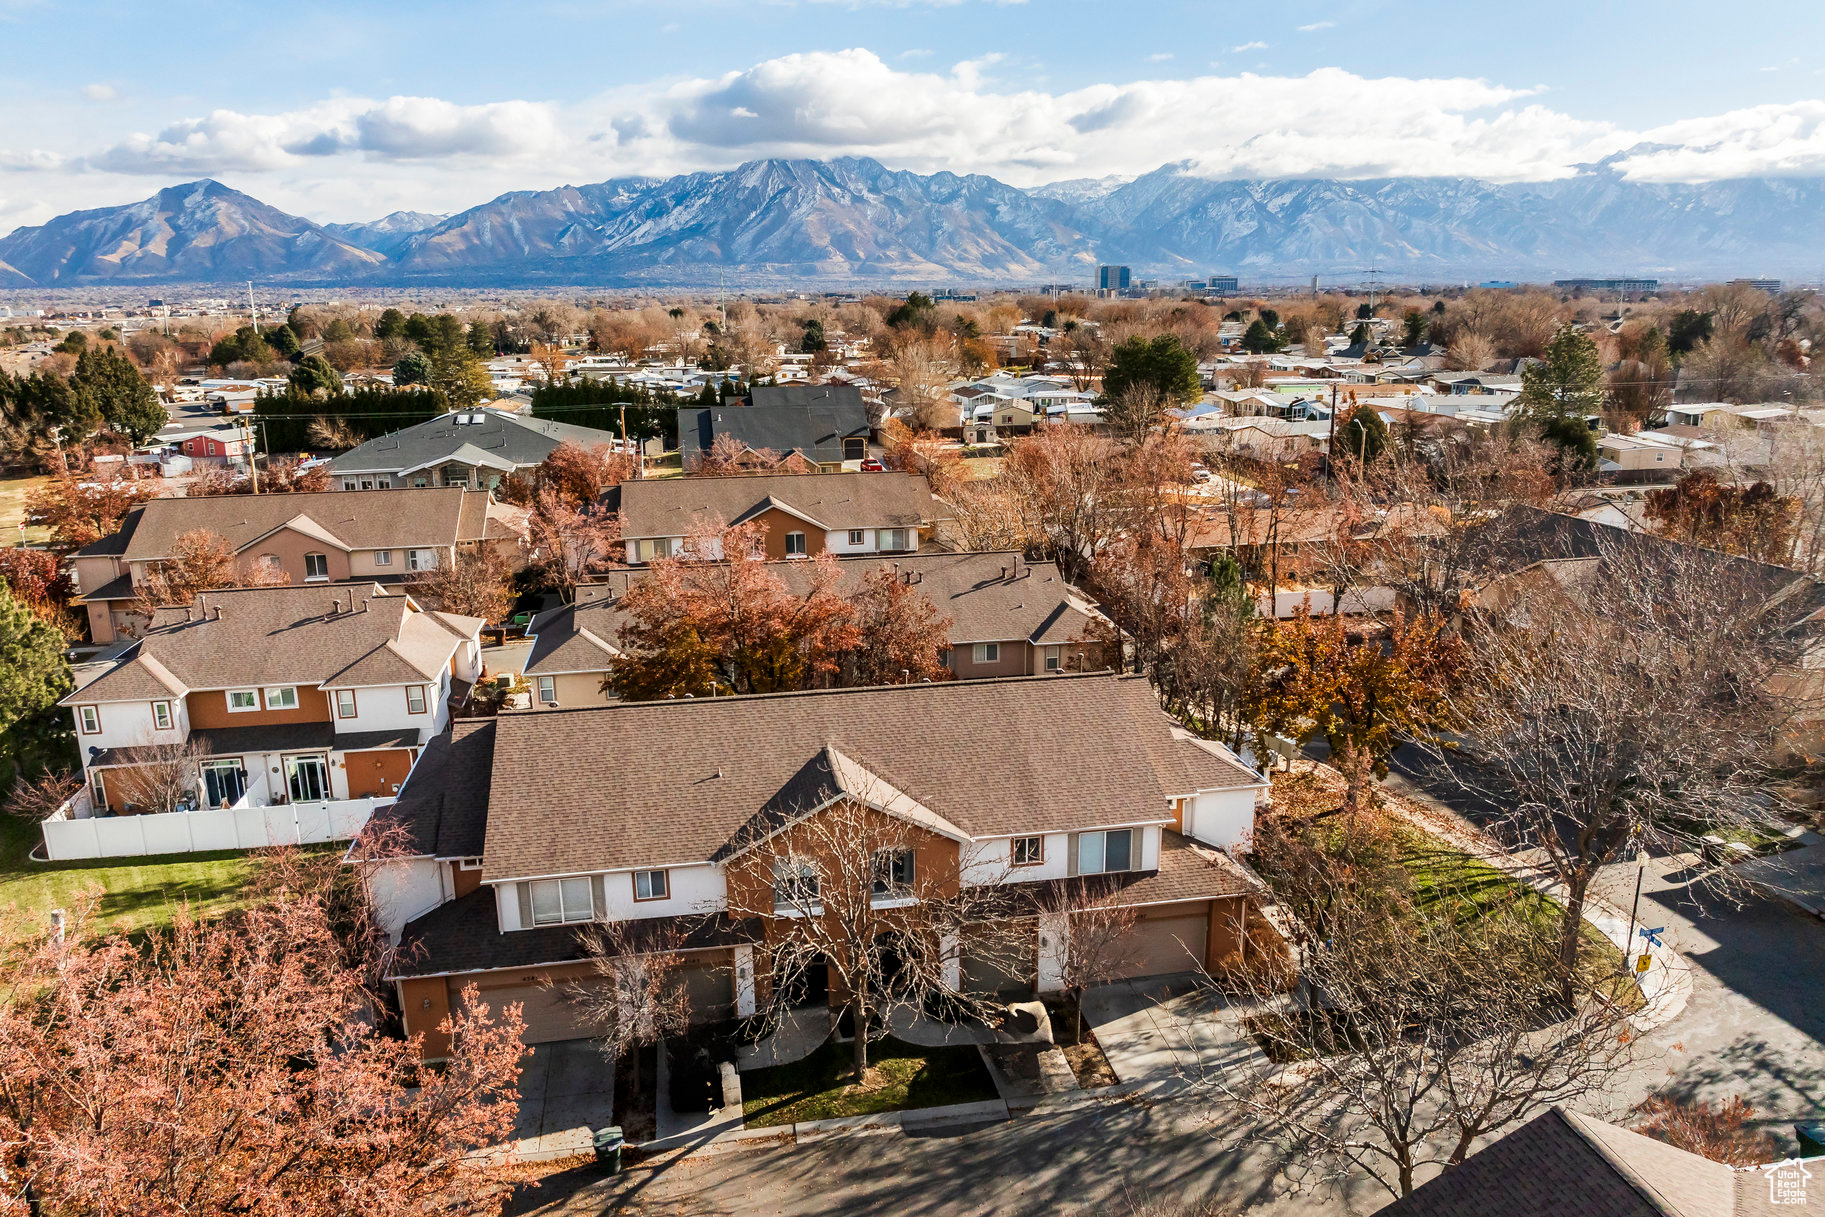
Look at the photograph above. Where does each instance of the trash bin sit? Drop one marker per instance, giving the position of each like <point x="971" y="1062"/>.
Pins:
<point x="608" y="1148"/>
<point x="1811" y="1136"/>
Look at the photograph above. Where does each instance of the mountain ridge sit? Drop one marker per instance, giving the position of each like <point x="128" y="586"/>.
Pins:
<point x="853" y="220"/>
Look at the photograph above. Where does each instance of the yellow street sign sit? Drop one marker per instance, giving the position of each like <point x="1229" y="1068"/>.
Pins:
<point x="1641" y="965"/>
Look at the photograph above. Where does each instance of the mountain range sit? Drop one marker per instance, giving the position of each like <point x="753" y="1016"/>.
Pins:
<point x="852" y="220"/>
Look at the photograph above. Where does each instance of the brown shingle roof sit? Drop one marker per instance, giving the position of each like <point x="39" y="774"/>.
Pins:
<point x="1561" y="1164"/>
<point x="444" y="803"/>
<point x="673" y="782"/>
<point x="357" y="519"/>
<point x="989" y="597"/>
<point x="668" y="507"/>
<point x="283" y="636"/>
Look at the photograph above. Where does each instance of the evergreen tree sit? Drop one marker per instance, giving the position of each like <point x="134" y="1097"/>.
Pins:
<point x="1362" y="437"/>
<point x="283" y="339"/>
<point x="412" y="369"/>
<point x="33" y="675"/>
<point x="111" y="388"/>
<point x="313" y="374"/>
<point x="1566" y="383"/>
<point x="481" y="339"/>
<point x="392" y="324"/>
<point x="1164" y="364"/>
<point x="1260" y="339"/>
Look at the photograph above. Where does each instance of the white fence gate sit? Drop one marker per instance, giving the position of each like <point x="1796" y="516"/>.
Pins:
<point x="183" y="832"/>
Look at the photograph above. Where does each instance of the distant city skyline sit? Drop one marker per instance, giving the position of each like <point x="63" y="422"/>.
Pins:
<point x="344" y="112"/>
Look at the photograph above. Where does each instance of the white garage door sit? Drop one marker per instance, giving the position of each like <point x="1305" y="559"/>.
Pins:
<point x="1169" y="939"/>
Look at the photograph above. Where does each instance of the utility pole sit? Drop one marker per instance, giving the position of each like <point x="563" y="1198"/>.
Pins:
<point x="253" y="460"/>
<point x="252" y="312"/>
<point x="1330" y="441"/>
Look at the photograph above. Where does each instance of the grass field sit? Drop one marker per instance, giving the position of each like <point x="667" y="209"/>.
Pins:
<point x="13" y="494"/>
<point x="138" y="893"/>
<point x="900" y="1077"/>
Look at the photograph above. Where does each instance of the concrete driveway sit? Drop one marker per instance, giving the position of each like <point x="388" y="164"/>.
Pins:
<point x="1166" y="1032"/>
<point x="567" y="1091"/>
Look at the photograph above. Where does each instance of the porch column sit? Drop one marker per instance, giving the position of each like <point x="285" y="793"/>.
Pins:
<point x="744" y="981"/>
<point x="950" y="950"/>
<point x="1054" y="945"/>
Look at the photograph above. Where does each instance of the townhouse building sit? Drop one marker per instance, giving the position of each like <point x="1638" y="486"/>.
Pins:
<point x="473" y="449"/>
<point x="1008" y="617"/>
<point x="802" y="514"/>
<point x="529" y="827"/>
<point x="267" y="696"/>
<point x="331" y="537"/>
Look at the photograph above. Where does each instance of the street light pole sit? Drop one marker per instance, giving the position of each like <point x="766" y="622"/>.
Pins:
<point x="1641" y="867"/>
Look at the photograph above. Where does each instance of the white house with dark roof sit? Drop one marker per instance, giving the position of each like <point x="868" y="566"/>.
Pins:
<point x="283" y="695"/>
<point x="474" y="449"/>
<point x="643" y="813"/>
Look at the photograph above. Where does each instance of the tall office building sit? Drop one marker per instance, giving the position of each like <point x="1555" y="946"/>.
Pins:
<point x="1112" y="278"/>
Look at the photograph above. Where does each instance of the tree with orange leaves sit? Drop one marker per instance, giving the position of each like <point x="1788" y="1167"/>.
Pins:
<point x="232" y="1066"/>
<point x="901" y="634"/>
<point x="1363" y="694"/>
<point x="80" y="509"/>
<point x="756" y="635"/>
<point x="200" y="561"/>
<point x="579" y="475"/>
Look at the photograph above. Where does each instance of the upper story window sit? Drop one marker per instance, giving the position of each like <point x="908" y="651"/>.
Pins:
<point x="890" y="538"/>
<point x="794" y="883"/>
<point x="421" y="559"/>
<point x="383" y="557"/>
<point x="893" y="872"/>
<point x="316" y="566"/>
<point x="345" y="703"/>
<point x="651" y="885"/>
<point x="858" y="536"/>
<point x="548" y="690"/>
<point x="161" y="715"/>
<point x="90" y="717"/>
<point x="240" y="701"/>
<point x="284" y="697"/>
<point x="556" y="901"/>
<point x="1100" y="853"/>
<point x="795" y="545"/>
<point x="986" y="652"/>
<point x="1028" y="851"/>
<point x="415" y="699"/>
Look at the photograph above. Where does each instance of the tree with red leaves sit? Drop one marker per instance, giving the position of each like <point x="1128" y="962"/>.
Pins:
<point x="568" y="541"/>
<point x="38" y="580"/>
<point x="1752" y="521"/>
<point x="81" y="509"/>
<point x="579" y="475"/>
<point x="756" y="635"/>
<point x="200" y="561"/>
<point x="231" y="1067"/>
<point x="901" y="633"/>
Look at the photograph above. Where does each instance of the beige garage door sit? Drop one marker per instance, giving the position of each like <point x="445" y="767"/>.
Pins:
<point x="1169" y="939"/>
<point x="550" y="1013"/>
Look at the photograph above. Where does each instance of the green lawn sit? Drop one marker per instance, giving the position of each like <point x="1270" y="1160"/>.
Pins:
<point x="138" y="893"/>
<point x="900" y="1077"/>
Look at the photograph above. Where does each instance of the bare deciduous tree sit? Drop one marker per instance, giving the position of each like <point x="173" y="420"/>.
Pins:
<point x="1096" y="936"/>
<point x="1630" y="700"/>
<point x="894" y="911"/>
<point x="636" y="996"/>
<point x="157" y="777"/>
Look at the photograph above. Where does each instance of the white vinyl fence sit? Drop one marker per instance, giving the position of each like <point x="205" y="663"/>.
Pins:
<point x="183" y="832"/>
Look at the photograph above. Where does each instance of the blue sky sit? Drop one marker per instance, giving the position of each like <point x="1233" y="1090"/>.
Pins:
<point x="346" y="111"/>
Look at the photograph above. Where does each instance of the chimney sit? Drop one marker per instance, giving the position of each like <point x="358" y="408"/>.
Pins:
<point x="218" y="612"/>
<point x="364" y="602"/>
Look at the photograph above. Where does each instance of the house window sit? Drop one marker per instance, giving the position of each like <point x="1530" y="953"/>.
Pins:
<point x="383" y="557"/>
<point x="794" y="883"/>
<point x="419" y="483"/>
<point x="556" y="901"/>
<point x="91" y="719"/>
<point x="415" y="699"/>
<point x="1029" y="851"/>
<point x="893" y="872"/>
<point x="651" y="885"/>
<point x="468" y="864"/>
<point x="986" y="652"/>
<point x="421" y="559"/>
<point x="890" y="538"/>
<point x="345" y="703"/>
<point x="316" y="566"/>
<point x="161" y="715"/>
<point x="282" y="698"/>
<point x="1052" y="659"/>
<point x="858" y="536"/>
<point x="367" y="483"/>
<point x="348" y="483"/>
<point x="240" y="701"/>
<point x="548" y="690"/>
<point x="795" y="545"/>
<point x="1103" y="852"/>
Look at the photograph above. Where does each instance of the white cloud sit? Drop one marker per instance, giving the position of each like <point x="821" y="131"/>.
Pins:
<point x="350" y="158"/>
<point x="1159" y="57"/>
<point x="1248" y="46"/>
<point x="1315" y="26"/>
<point x="99" y="92"/>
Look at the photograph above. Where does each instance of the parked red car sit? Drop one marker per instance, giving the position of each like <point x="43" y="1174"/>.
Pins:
<point x="872" y="465"/>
